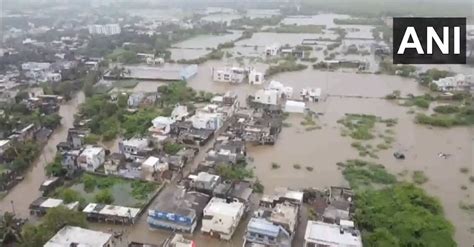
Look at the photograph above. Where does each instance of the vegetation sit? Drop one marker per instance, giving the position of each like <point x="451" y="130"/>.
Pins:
<point x="309" y="168"/>
<point x="391" y="213"/>
<point x="359" y="125"/>
<point x="431" y="75"/>
<point x="256" y="22"/>
<point x="285" y="66"/>
<point x="54" y="220"/>
<point x="275" y="165"/>
<point x="234" y="172"/>
<point x="21" y="155"/>
<point x="359" y="21"/>
<point x="464" y="116"/>
<point x="141" y="189"/>
<point x="104" y="197"/>
<point x="296" y="29"/>
<point x="419" y="177"/>
<point x="297" y="166"/>
<point x="446" y="109"/>
<point x="172" y="148"/>
<point x="387" y="67"/>
<point x="258" y="187"/>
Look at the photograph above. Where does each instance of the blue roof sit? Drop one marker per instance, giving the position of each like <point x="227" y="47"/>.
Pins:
<point x="263" y="227"/>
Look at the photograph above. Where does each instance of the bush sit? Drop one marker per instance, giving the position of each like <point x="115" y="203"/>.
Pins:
<point x="446" y="109"/>
<point x="419" y="177"/>
<point x="297" y="166"/>
<point x="89" y="183"/>
<point x="104" y="197"/>
<point x="275" y="165"/>
<point x="286" y="66"/>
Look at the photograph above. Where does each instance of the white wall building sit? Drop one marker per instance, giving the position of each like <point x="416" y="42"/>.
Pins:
<point x="91" y="158"/>
<point x="459" y="82"/>
<point x="273" y="49"/>
<point x="108" y="29"/>
<point x="232" y="75"/>
<point x="222" y="218"/>
<point x="76" y="236"/>
<point x="324" y="234"/>
<point x="267" y="97"/>
<point x="256" y="78"/>
<point x="292" y="106"/>
<point x="205" y="120"/>
<point x="284" y="91"/>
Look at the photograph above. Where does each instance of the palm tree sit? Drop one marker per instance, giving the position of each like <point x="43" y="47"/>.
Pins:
<point x="10" y="228"/>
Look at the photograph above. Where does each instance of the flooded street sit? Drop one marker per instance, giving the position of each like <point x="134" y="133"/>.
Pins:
<point x="27" y="190"/>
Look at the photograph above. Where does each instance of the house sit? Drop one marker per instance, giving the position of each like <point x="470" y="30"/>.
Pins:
<point x="176" y="241"/>
<point x="195" y="136"/>
<point x="285" y="92"/>
<point x="292" y="106"/>
<point x="205" y="120"/>
<point x="261" y="232"/>
<point x="272" y="50"/>
<point x="267" y="97"/>
<point x="256" y="78"/>
<point x="135" y="99"/>
<point x="281" y="194"/>
<point x="113" y="163"/>
<point x="24" y="134"/>
<point x="69" y="161"/>
<point x="41" y="205"/>
<point x="111" y="213"/>
<point x="179" y="113"/>
<point x="135" y="148"/>
<point x="151" y="166"/>
<point x="91" y="158"/>
<point x="177" y="209"/>
<point x="204" y="182"/>
<point x="76" y="236"/>
<point x="459" y="82"/>
<point x="324" y="234"/>
<point x="76" y="137"/>
<point x="50" y="185"/>
<point x="221" y="218"/>
<point x="227" y="150"/>
<point x="229" y="74"/>
<point x="286" y="215"/>
<point x="311" y="94"/>
<point x="161" y="127"/>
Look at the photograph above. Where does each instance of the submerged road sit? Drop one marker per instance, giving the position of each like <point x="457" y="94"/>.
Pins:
<point x="20" y="197"/>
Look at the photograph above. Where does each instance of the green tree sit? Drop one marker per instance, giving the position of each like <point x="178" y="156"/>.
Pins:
<point x="104" y="197"/>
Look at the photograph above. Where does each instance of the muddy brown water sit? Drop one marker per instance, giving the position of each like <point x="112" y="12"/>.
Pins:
<point x="320" y="149"/>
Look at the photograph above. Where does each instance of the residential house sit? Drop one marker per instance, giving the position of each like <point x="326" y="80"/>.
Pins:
<point x="261" y="232"/>
<point x="91" y="158"/>
<point x="135" y="148"/>
<point x="41" y="205"/>
<point x="229" y="74"/>
<point x="175" y="241"/>
<point x="286" y="215"/>
<point x="195" y="136"/>
<point x="311" y="94"/>
<point x="324" y="234"/>
<point x="177" y="209"/>
<point x="69" y="161"/>
<point x="76" y="137"/>
<point x="281" y="194"/>
<point x="256" y="78"/>
<point x="272" y="50"/>
<point x="283" y="91"/>
<point x="267" y="97"/>
<point x="204" y="120"/>
<point x="153" y="165"/>
<point x="4" y="146"/>
<point x="204" y="182"/>
<point x="113" y="163"/>
<point x="292" y="106"/>
<point x="459" y="82"/>
<point x="161" y="127"/>
<point x="227" y="150"/>
<point x="24" y="134"/>
<point x="76" y="236"/>
<point x="135" y="99"/>
<point x="111" y="213"/>
<point x="221" y="218"/>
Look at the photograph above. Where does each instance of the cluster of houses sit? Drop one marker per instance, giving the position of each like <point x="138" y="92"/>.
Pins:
<point x="459" y="82"/>
<point x="237" y="75"/>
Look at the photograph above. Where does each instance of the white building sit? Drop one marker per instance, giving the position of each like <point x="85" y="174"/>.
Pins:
<point x="76" y="236"/>
<point x="273" y="49"/>
<point x="108" y="29"/>
<point x="222" y="218"/>
<point x="132" y="148"/>
<point x="284" y="91"/>
<point x="179" y="113"/>
<point x="161" y="128"/>
<point x="256" y="78"/>
<point x="91" y="158"/>
<point x="311" y="94"/>
<point x="267" y="97"/>
<point x="232" y="75"/>
<point x="292" y="106"/>
<point x="324" y="234"/>
<point x="153" y="164"/>
<point x="53" y="77"/>
<point x="4" y="145"/>
<point x="205" y="120"/>
<point x="460" y="82"/>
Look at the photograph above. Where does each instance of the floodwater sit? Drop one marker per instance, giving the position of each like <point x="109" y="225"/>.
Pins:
<point x="27" y="190"/>
<point x="208" y="41"/>
<point x="322" y="149"/>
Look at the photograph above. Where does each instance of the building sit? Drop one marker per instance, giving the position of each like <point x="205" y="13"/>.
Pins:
<point x="107" y="29"/>
<point x="76" y="137"/>
<point x="292" y="106"/>
<point x="204" y="182"/>
<point x="285" y="215"/>
<point x="282" y="194"/>
<point x="206" y="120"/>
<point x="256" y="78"/>
<point x="111" y="213"/>
<point x="311" y="94"/>
<point x="91" y="158"/>
<point x="176" y="241"/>
<point x="177" y="209"/>
<point x="261" y="232"/>
<point x="285" y="92"/>
<point x="113" y="163"/>
<point x="135" y="99"/>
<point x="41" y="205"/>
<point x="267" y="97"/>
<point x="135" y="148"/>
<point x="232" y="74"/>
<point x="4" y="146"/>
<point x="166" y="72"/>
<point x="324" y="234"/>
<point x="272" y="50"/>
<point x="77" y="236"/>
<point x="221" y="218"/>
<point x="151" y="166"/>
<point x="460" y="82"/>
<point x="227" y="150"/>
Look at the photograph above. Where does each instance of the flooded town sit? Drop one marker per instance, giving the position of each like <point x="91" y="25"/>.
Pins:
<point x="231" y="123"/>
